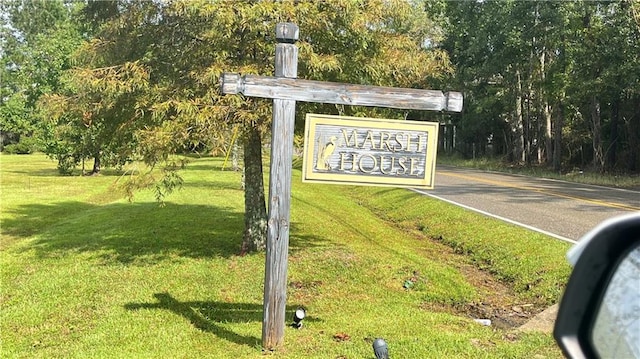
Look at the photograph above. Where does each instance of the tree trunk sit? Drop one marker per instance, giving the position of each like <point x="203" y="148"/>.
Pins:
<point x="598" y="155"/>
<point x="548" y="138"/>
<point x="234" y="155"/>
<point x="255" y="211"/>
<point x="517" y="125"/>
<point x="528" y="133"/>
<point x="96" y="164"/>
<point x="557" y="138"/>
<point x="612" y="151"/>
<point x="558" y="124"/>
<point x="633" y="126"/>
<point x="546" y="108"/>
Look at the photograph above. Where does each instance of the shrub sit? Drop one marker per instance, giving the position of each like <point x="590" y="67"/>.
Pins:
<point x="19" y="148"/>
<point x="26" y="146"/>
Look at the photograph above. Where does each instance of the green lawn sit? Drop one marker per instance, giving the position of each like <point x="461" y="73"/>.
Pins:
<point x="87" y="274"/>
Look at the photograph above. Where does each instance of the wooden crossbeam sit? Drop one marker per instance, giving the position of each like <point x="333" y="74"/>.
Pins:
<point x="340" y="93"/>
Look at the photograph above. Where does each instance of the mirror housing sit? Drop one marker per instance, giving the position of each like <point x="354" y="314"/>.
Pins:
<point x="600" y="254"/>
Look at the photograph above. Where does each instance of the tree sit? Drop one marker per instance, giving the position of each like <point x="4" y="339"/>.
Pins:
<point x="37" y="40"/>
<point x="92" y="118"/>
<point x="162" y="61"/>
<point x="563" y="77"/>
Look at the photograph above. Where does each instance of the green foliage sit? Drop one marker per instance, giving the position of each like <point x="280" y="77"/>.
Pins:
<point x="66" y="164"/>
<point x="94" y="119"/>
<point x="27" y="145"/>
<point x="182" y="48"/>
<point x="547" y="77"/>
<point x="15" y="116"/>
<point x="37" y="39"/>
<point x="161" y="181"/>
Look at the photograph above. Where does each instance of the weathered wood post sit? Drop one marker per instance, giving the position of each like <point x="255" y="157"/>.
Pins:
<point x="275" y="277"/>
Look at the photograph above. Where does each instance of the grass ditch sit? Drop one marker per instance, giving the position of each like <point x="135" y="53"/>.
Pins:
<point x="526" y="261"/>
<point x="85" y="273"/>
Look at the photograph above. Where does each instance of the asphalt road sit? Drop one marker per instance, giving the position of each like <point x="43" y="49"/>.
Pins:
<point x="561" y="209"/>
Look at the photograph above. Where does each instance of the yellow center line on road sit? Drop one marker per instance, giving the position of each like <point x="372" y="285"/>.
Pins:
<point x="544" y="191"/>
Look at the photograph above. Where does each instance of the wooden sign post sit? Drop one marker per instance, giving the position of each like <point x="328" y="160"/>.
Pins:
<point x="277" y="251"/>
<point x="285" y="89"/>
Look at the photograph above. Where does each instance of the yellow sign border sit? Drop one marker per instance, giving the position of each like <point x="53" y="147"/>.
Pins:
<point x="426" y="181"/>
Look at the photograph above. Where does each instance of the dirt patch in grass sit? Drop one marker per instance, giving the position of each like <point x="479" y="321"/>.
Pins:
<point x="498" y="302"/>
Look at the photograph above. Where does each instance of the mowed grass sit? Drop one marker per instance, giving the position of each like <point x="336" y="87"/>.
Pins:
<point x="87" y="274"/>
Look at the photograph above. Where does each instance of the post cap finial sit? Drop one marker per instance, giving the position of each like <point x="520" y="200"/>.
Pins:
<point x="287" y="32"/>
<point x="231" y="83"/>
<point x="453" y="101"/>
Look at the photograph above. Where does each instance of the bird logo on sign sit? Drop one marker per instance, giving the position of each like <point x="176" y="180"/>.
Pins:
<point x="324" y="153"/>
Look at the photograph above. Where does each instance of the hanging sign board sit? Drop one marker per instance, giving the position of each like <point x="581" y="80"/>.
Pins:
<point x="367" y="151"/>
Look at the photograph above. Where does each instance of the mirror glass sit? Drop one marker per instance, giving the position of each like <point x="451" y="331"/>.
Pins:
<point x="616" y="331"/>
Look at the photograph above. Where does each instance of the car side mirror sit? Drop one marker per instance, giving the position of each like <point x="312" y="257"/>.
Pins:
<point x="599" y="314"/>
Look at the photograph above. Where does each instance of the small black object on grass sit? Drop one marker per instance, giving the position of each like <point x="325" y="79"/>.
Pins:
<point x="380" y="349"/>
<point x="298" y="315"/>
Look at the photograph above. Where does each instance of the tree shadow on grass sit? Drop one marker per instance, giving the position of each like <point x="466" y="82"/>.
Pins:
<point x="208" y="316"/>
<point x="221" y="185"/>
<point x="127" y="232"/>
<point x="40" y="172"/>
<point x="299" y="241"/>
<point x="133" y="233"/>
<point x="54" y="173"/>
<point x="210" y="166"/>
